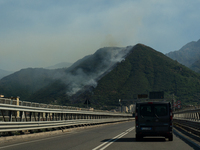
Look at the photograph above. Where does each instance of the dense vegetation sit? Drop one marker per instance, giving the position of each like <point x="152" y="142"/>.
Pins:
<point x="25" y="82"/>
<point x="143" y="70"/>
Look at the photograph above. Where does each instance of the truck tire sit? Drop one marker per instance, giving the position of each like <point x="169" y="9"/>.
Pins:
<point x="171" y="137"/>
<point x="138" y="137"/>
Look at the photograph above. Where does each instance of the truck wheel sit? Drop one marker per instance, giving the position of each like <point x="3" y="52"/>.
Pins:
<point x="171" y="137"/>
<point x="138" y="137"/>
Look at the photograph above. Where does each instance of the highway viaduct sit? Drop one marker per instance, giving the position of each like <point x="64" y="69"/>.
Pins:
<point x="81" y="129"/>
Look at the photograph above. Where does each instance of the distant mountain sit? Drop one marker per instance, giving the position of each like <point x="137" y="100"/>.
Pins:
<point x="196" y="66"/>
<point x="60" y="65"/>
<point x="25" y="82"/>
<point x="4" y="73"/>
<point x="110" y="74"/>
<point x="28" y="83"/>
<point x="82" y="74"/>
<point x="187" y="55"/>
<point x="140" y="69"/>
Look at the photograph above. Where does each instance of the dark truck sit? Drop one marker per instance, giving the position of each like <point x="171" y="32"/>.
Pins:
<point x="153" y="119"/>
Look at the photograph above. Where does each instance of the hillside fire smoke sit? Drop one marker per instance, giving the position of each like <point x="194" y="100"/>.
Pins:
<point x="92" y="69"/>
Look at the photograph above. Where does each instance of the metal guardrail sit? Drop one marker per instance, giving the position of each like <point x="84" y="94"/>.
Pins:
<point x="192" y="114"/>
<point x="41" y="105"/>
<point x="20" y="115"/>
<point x="189" y="108"/>
<point x="19" y="126"/>
<point x="188" y="119"/>
<point x="192" y="126"/>
<point x="53" y="110"/>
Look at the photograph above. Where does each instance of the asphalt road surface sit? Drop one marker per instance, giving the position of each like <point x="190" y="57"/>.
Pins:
<point x="120" y="136"/>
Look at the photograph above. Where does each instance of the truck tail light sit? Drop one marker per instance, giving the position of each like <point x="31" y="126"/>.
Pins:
<point x="136" y="116"/>
<point x="171" y="116"/>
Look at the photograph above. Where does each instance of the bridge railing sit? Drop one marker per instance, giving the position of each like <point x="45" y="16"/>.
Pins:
<point x="42" y="105"/>
<point x="188" y="119"/>
<point x="18" y="115"/>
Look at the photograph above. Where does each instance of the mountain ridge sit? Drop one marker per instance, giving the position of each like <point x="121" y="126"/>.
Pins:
<point x="188" y="54"/>
<point x="81" y="73"/>
<point x="60" y="65"/>
<point x="4" y="73"/>
<point x="146" y="70"/>
<point x="105" y="77"/>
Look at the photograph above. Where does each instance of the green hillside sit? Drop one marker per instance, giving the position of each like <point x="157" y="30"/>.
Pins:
<point x="104" y="79"/>
<point x="44" y="85"/>
<point x="25" y="82"/>
<point x="145" y="70"/>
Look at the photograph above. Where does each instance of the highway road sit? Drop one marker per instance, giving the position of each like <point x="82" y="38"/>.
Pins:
<point x="118" y="136"/>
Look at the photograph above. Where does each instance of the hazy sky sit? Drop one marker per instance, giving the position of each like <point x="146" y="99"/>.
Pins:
<point x="41" y="33"/>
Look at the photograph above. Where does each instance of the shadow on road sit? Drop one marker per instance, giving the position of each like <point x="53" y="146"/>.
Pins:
<point x="134" y="140"/>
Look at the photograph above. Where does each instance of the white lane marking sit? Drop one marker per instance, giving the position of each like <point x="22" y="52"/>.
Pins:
<point x="106" y="142"/>
<point x="109" y="142"/>
<point x="112" y="142"/>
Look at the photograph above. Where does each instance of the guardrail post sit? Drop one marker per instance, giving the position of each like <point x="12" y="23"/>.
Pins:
<point x="10" y="115"/>
<point x="46" y="116"/>
<point x="61" y="116"/>
<point x="20" y="115"/>
<point x="39" y="116"/>
<point x="193" y="117"/>
<point x="76" y="116"/>
<point x="15" y="114"/>
<point x="56" y="116"/>
<point x="34" y="115"/>
<point x="25" y="116"/>
<point x="65" y="117"/>
<point x="43" y="116"/>
<point x="2" y="112"/>
<point x="53" y="116"/>
<point x="17" y="105"/>
<point x="30" y="115"/>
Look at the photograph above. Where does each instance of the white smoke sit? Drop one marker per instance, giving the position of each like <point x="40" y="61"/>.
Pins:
<point x="77" y="80"/>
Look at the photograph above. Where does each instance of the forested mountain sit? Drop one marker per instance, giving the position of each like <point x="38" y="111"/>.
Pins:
<point x="25" y="82"/>
<point x="28" y="83"/>
<point x="145" y="70"/>
<point x="82" y="76"/>
<point x="105" y="77"/>
<point x="142" y="70"/>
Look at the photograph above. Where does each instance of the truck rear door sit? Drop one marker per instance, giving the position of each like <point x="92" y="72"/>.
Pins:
<point x="162" y="117"/>
<point x="154" y="117"/>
